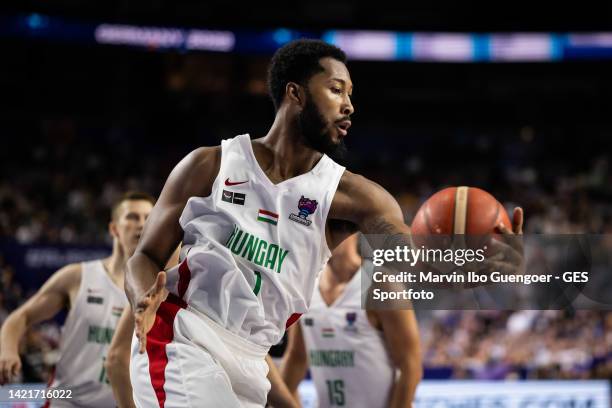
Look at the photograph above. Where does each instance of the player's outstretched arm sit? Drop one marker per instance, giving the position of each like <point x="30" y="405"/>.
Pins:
<point x="193" y="176"/>
<point x="374" y="211"/>
<point x="118" y="360"/>
<point x="401" y="334"/>
<point x="295" y="362"/>
<point x="46" y="303"/>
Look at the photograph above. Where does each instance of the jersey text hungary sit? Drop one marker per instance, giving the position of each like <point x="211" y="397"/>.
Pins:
<point x="252" y="249"/>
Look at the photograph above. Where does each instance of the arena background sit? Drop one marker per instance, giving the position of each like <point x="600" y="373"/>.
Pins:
<point x="83" y="119"/>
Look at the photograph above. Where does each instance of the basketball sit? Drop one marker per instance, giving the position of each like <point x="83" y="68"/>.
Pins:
<point x="460" y="210"/>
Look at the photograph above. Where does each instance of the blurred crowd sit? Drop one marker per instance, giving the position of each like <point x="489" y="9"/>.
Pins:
<point x="59" y="184"/>
<point x="527" y="344"/>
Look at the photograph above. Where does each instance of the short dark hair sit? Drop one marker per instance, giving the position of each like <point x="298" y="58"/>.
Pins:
<point x="297" y="61"/>
<point x="130" y="196"/>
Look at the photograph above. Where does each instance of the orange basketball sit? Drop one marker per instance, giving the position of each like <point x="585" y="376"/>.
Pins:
<point x="460" y="210"/>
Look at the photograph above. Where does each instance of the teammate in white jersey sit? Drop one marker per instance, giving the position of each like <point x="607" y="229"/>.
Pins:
<point x="93" y="293"/>
<point x="253" y="217"/>
<point x="358" y="358"/>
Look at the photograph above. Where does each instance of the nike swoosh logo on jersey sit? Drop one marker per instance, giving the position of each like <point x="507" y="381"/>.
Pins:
<point x="234" y="183"/>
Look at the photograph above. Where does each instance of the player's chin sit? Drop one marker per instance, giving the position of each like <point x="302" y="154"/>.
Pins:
<point x="333" y="141"/>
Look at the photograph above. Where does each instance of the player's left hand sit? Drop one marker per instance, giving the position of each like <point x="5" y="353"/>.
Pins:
<point x="146" y="307"/>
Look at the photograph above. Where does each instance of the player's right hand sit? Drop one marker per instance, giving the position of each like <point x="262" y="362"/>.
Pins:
<point x="10" y="366"/>
<point x="146" y="309"/>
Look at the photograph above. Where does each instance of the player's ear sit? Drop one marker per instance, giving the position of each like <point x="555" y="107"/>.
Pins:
<point x="112" y="229"/>
<point x="295" y="93"/>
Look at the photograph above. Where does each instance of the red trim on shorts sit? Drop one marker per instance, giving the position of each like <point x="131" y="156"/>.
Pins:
<point x="51" y="379"/>
<point x="158" y="337"/>
<point x="292" y="319"/>
<point x="184" y="278"/>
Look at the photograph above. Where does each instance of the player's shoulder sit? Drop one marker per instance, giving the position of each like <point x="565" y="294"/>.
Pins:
<point x="353" y="185"/>
<point x="71" y="270"/>
<point x="67" y="277"/>
<point x="194" y="175"/>
<point x="204" y="156"/>
<point x="358" y="198"/>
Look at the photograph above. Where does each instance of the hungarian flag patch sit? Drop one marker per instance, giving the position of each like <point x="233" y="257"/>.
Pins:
<point x="267" y="216"/>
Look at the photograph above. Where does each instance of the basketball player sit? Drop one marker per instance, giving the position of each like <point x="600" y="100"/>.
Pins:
<point x="253" y="219"/>
<point x="92" y="291"/>
<point x="353" y="353"/>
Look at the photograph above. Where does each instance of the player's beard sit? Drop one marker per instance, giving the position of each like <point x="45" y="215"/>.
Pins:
<point x="314" y="134"/>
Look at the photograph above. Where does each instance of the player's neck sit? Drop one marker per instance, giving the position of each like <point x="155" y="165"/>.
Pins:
<point x="336" y="276"/>
<point x="343" y="268"/>
<point x="116" y="264"/>
<point x="291" y="156"/>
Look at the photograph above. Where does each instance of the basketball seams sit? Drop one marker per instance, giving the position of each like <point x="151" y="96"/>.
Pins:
<point x="460" y="213"/>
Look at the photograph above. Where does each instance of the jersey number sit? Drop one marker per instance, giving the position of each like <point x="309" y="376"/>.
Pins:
<point x="335" y="391"/>
<point x="257" y="287"/>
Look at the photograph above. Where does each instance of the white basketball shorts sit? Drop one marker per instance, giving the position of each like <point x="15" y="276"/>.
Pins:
<point x="191" y="361"/>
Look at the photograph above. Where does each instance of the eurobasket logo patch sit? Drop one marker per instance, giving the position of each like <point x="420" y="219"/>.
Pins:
<point x="267" y="216"/>
<point x="351" y="317"/>
<point x="306" y="206"/>
<point x="308" y="321"/>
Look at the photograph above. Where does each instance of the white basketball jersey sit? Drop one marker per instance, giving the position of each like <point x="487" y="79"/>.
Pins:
<point x="349" y="363"/>
<point x="252" y="249"/>
<point x="86" y="335"/>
